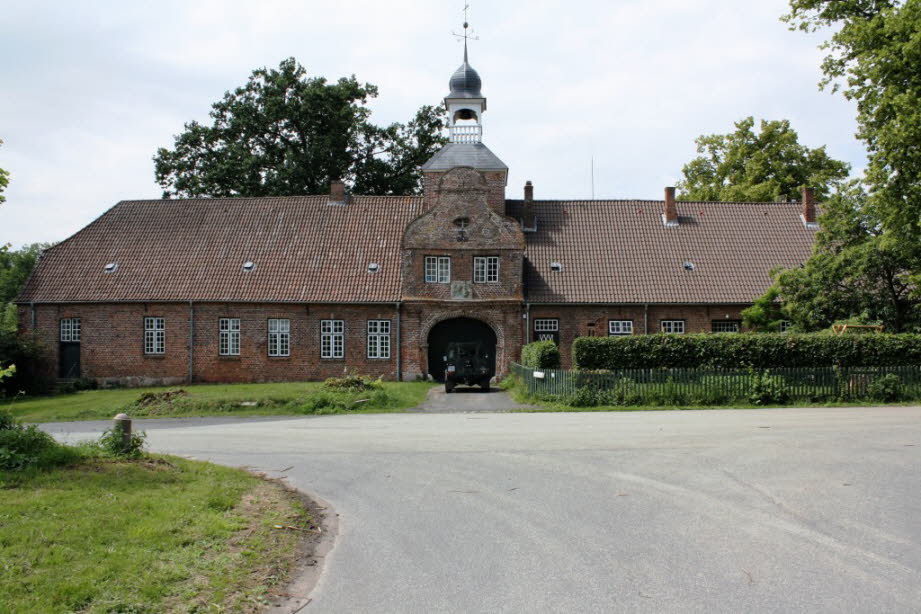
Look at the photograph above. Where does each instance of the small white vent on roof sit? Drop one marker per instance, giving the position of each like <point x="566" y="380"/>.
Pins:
<point x="111" y="267"/>
<point x="374" y="267"/>
<point x="688" y="265"/>
<point x="556" y="267"/>
<point x="249" y="266"/>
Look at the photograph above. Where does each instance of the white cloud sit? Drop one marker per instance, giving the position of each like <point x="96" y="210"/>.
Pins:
<point x="92" y="89"/>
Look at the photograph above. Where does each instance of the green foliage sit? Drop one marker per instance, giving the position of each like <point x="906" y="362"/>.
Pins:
<point x="23" y="447"/>
<point x="766" y="313"/>
<point x="283" y="134"/>
<point x="745" y="350"/>
<point x="15" y="268"/>
<point x="768" y="166"/>
<point x="767" y="389"/>
<point x="867" y="262"/>
<point x="887" y="388"/>
<point x="541" y="355"/>
<point x="4" y="181"/>
<point x="33" y="373"/>
<point x="857" y="272"/>
<point x="113" y="442"/>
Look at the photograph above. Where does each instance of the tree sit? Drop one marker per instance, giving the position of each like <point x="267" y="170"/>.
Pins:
<point x="768" y="166"/>
<point x="856" y="272"/>
<point x="4" y="181"/>
<point x="873" y="58"/>
<point x="285" y="134"/>
<point x="15" y="268"/>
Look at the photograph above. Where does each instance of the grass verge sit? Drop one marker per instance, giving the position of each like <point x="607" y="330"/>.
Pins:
<point x="158" y="534"/>
<point x="219" y="400"/>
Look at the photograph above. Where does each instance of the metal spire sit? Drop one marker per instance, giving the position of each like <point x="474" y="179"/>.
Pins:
<point x="467" y="33"/>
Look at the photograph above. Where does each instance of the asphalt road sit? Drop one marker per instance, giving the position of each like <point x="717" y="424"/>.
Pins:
<point x="805" y="510"/>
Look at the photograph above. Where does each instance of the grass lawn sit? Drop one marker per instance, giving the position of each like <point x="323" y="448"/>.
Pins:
<point x="217" y="400"/>
<point x="155" y="535"/>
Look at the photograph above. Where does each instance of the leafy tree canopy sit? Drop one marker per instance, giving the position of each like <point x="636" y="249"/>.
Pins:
<point x="283" y="133"/>
<point x="15" y="267"/>
<point x="769" y="165"/>
<point x="4" y="181"/>
<point x="874" y="55"/>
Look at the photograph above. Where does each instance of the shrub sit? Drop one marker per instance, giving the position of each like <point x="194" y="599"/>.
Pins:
<point x="22" y="447"/>
<point x="541" y="355"/>
<point x="34" y="370"/>
<point x="887" y="388"/>
<point x="761" y="351"/>
<point x="112" y="442"/>
<point x="768" y="389"/>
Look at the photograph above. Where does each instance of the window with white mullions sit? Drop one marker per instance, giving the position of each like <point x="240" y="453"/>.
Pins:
<point x="726" y="326"/>
<point x="279" y="337"/>
<point x="154" y="335"/>
<point x="229" y="342"/>
<point x="486" y="269"/>
<point x="332" y="339"/>
<point x="437" y="269"/>
<point x="620" y="328"/>
<point x="70" y="330"/>
<point x="378" y="338"/>
<point x="547" y="329"/>
<point x="673" y="327"/>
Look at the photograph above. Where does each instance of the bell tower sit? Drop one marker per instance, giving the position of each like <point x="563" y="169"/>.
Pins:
<point x="465" y="104"/>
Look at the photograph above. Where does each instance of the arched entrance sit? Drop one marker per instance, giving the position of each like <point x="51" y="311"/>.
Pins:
<point x="457" y="329"/>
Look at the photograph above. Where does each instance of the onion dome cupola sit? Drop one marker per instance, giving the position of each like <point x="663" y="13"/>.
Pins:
<point x="465" y="104"/>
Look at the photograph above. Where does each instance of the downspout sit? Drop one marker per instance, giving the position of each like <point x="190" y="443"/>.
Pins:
<point x="646" y="319"/>
<point x="32" y="306"/>
<point x="527" y="323"/>
<point x="191" y="340"/>
<point x="399" y="344"/>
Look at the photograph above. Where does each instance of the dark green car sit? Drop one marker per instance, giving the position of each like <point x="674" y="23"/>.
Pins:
<point x="468" y="363"/>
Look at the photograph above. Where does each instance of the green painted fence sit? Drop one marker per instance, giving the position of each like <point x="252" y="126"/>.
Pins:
<point x="721" y="386"/>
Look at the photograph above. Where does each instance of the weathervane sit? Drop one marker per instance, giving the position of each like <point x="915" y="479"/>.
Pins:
<point x="471" y="35"/>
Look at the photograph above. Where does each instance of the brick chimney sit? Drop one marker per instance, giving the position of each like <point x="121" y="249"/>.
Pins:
<point x="337" y="192"/>
<point x="809" y="216"/>
<point x="670" y="215"/>
<point x="528" y="218"/>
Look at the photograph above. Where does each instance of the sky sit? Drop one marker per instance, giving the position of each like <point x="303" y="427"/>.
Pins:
<point x="89" y="90"/>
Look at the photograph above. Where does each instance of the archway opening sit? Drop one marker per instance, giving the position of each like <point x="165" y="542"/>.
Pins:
<point x="458" y="330"/>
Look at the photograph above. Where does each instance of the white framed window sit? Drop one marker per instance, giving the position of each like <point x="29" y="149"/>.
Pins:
<point x="332" y="339"/>
<point x="229" y="342"/>
<point x="378" y="338"/>
<point x="618" y="328"/>
<point x="726" y="326"/>
<point x="785" y="326"/>
<point x="437" y="269"/>
<point x="154" y="335"/>
<point x="70" y="330"/>
<point x="675" y="327"/>
<point x="279" y="337"/>
<point x="486" y="269"/>
<point x="547" y="329"/>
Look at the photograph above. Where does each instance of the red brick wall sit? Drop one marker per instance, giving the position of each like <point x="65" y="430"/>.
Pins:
<point x="112" y="342"/>
<point x="587" y="320"/>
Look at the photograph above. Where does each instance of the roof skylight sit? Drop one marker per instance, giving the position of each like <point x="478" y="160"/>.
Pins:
<point x="374" y="267"/>
<point x="111" y="267"/>
<point x="556" y="267"/>
<point x="249" y="266"/>
<point x="688" y="265"/>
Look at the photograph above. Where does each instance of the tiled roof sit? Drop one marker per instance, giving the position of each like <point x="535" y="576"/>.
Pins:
<point x="620" y="252"/>
<point x="304" y="249"/>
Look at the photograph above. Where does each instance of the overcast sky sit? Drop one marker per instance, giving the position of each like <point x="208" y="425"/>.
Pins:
<point x="89" y="90"/>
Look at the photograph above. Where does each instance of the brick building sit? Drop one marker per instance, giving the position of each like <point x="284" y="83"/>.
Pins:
<point x="307" y="287"/>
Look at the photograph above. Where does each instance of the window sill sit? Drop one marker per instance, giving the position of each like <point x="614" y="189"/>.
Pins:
<point x="279" y="358"/>
<point x="230" y="357"/>
<point x="155" y="356"/>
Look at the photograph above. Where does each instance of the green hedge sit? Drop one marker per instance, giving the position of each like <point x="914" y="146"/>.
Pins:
<point x="761" y="351"/>
<point x="541" y="355"/>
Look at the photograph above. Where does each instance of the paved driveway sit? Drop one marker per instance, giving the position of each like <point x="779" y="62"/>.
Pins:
<point x="807" y="510"/>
